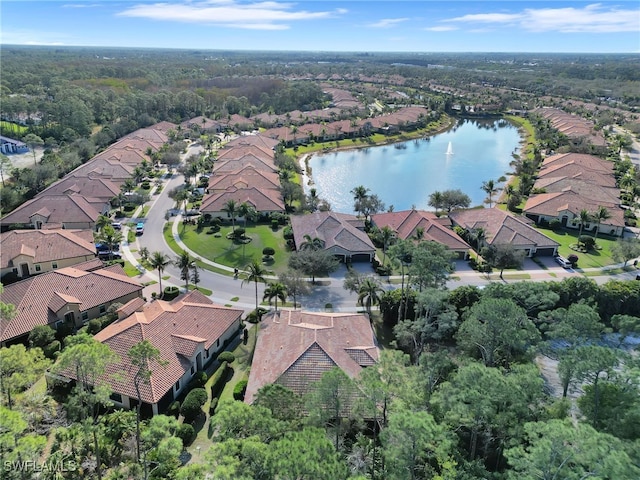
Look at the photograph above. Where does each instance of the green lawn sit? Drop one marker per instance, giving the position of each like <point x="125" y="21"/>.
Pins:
<point x="222" y="250"/>
<point x="593" y="259"/>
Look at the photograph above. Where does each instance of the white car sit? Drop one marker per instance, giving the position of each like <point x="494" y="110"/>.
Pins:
<point x="563" y="262"/>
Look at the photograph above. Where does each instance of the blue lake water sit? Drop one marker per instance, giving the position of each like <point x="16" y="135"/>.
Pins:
<point x="405" y="174"/>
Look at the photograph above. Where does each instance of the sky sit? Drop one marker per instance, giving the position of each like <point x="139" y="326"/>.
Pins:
<point x="608" y="26"/>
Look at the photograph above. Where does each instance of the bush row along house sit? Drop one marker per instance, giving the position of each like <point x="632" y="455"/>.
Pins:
<point x="572" y="182"/>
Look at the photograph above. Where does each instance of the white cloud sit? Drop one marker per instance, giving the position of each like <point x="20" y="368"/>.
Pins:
<point x="595" y="18"/>
<point x="258" y="15"/>
<point x="387" y="22"/>
<point x="443" y="28"/>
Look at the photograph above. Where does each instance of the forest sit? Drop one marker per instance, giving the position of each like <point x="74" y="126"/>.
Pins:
<point x="513" y="381"/>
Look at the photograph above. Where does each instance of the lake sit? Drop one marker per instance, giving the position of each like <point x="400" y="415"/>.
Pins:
<point x="404" y="174"/>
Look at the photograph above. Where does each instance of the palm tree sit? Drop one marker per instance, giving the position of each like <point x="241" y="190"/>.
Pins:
<point x="102" y="221"/>
<point x="184" y="263"/>
<point x="159" y="261"/>
<point x="601" y="214"/>
<point x="128" y="186"/>
<point x="231" y="207"/>
<point x="359" y="194"/>
<point x="368" y="294"/>
<point x="583" y="218"/>
<point x="419" y="234"/>
<point x="144" y="254"/>
<point x="110" y="237"/>
<point x="247" y="212"/>
<point x="436" y="200"/>
<point x="275" y="291"/>
<point x="386" y="235"/>
<point x="255" y="274"/>
<point x="310" y="243"/>
<point x="490" y="189"/>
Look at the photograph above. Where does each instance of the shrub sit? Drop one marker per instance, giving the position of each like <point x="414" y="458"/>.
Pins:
<point x="226" y="357"/>
<point x="213" y="229"/>
<point x="192" y="404"/>
<point x="587" y="240"/>
<point x="51" y="349"/>
<point x="253" y="317"/>
<point x="384" y="271"/>
<point x="269" y="251"/>
<point x="174" y="409"/>
<point x="274" y="224"/>
<point x="186" y="433"/>
<point x="240" y="389"/>
<point x="219" y="380"/>
<point x="170" y="293"/>
<point x="573" y="258"/>
<point x="145" y="186"/>
<point x="554" y="224"/>
<point x="287" y="232"/>
<point x="213" y="405"/>
<point x="94" y="326"/>
<point x="41" y="336"/>
<point x="239" y="233"/>
<point x="199" y="380"/>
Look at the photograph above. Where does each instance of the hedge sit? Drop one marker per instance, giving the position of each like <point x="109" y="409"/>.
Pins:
<point x="174" y="409"/>
<point x="186" y="433"/>
<point x="220" y="379"/>
<point x="240" y="389"/>
<point x="198" y="380"/>
<point x="170" y="293"/>
<point x="212" y="406"/>
<point x="228" y="357"/>
<point x="192" y="404"/>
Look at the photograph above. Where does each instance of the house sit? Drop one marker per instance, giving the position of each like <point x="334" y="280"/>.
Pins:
<point x="9" y="146"/>
<point x="576" y="129"/>
<point x="72" y="295"/>
<point x="294" y="348"/>
<point x="104" y="168"/>
<point x="189" y="332"/>
<point x="414" y="223"/>
<point x="566" y="206"/>
<point x="264" y="201"/>
<point x="244" y="178"/>
<point x="31" y="252"/>
<point x="341" y="234"/>
<point x="499" y="228"/>
<point x="90" y="187"/>
<point x="69" y="211"/>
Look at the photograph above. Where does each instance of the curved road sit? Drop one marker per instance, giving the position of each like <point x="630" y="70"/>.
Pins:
<point x="329" y="290"/>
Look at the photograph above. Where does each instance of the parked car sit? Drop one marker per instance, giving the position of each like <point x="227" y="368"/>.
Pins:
<point x="117" y="225"/>
<point x="139" y="228"/>
<point x="109" y="255"/>
<point x="563" y="262"/>
<point x="103" y="247"/>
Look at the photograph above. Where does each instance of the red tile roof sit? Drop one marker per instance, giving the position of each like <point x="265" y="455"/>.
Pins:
<point x="177" y="329"/>
<point x="406" y="222"/>
<point x="295" y="348"/>
<point x="334" y="229"/>
<point x="263" y="200"/>
<point x="43" y="245"/>
<point x="39" y="297"/>
<point x="63" y="209"/>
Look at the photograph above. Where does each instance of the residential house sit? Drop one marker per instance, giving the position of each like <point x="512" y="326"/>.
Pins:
<point x="227" y="165"/>
<point x="189" y="332"/>
<point x="408" y="224"/>
<point x="73" y="295"/>
<point x="9" y="146"/>
<point x="91" y="187"/>
<point x="264" y="201"/>
<point x="69" y="211"/>
<point x="31" y="252"/>
<point x="295" y="348"/>
<point x="341" y="234"/>
<point x="497" y="227"/>
<point x="244" y="178"/>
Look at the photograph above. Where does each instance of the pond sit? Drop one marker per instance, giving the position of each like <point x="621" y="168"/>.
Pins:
<point x="404" y="174"/>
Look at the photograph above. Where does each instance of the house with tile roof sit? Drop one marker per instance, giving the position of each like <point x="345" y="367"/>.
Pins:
<point x="71" y="295"/>
<point x="99" y="188"/>
<point x="264" y="201"/>
<point x="70" y="211"/>
<point x="407" y="224"/>
<point x="31" y="252"/>
<point x="295" y="348"/>
<point x="342" y="234"/>
<point x="189" y="332"/>
<point x="244" y="178"/>
<point x="502" y="228"/>
<point x="229" y="165"/>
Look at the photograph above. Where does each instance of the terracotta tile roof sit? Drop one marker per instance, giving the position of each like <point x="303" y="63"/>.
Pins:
<point x="501" y="227"/>
<point x="588" y="161"/>
<point x="203" y="123"/>
<point x="43" y="246"/>
<point x="113" y="170"/>
<point x="224" y="166"/>
<point x="553" y="204"/>
<point x="176" y="329"/>
<point x="264" y="143"/>
<point x="573" y="170"/>
<point x="295" y="348"/>
<point x="267" y="200"/>
<point x="39" y="297"/>
<point x="56" y="209"/>
<point x="549" y="184"/>
<point x="242" y="150"/>
<point x="336" y="230"/>
<point x="246" y="177"/>
<point x="406" y="222"/>
<point x="95" y="187"/>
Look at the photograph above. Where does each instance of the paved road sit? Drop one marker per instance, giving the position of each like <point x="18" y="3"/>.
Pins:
<point x="327" y="291"/>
